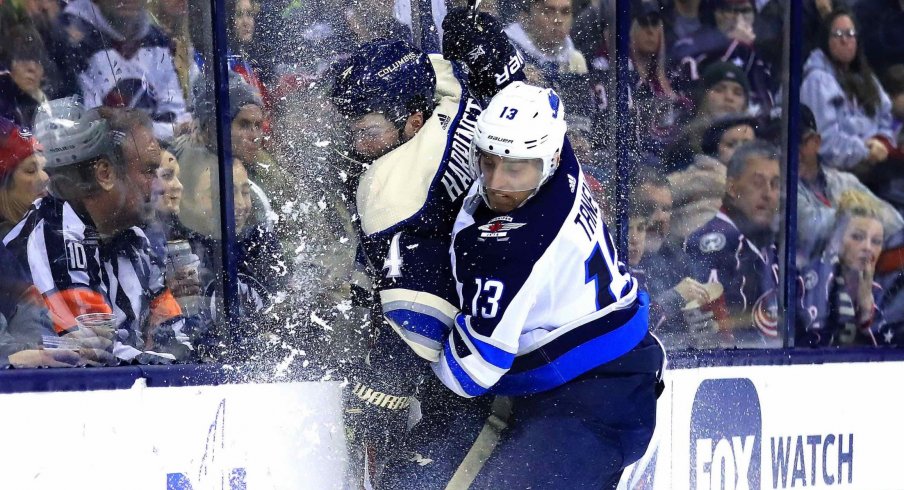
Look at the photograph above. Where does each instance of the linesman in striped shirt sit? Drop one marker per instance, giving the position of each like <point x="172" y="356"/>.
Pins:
<point x="82" y="245"/>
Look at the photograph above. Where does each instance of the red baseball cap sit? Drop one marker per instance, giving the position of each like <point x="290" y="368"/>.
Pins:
<point x="16" y="144"/>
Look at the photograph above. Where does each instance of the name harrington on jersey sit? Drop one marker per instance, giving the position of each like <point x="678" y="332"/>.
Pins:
<point x="458" y="177"/>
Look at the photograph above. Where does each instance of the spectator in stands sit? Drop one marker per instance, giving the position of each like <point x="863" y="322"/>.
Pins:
<point x="883" y="40"/>
<point x="326" y="286"/>
<point x="652" y="91"/>
<point x="258" y="254"/>
<point x="545" y="41"/>
<point x="22" y="176"/>
<point x="362" y="21"/>
<point x="21" y="87"/>
<point x="589" y="35"/>
<point x="39" y="22"/>
<point x="769" y="27"/>
<point x="241" y="28"/>
<point x="725" y="91"/>
<point x="727" y="37"/>
<point x="655" y="189"/>
<point x="120" y="59"/>
<point x="637" y="231"/>
<point x="81" y="243"/>
<point x="173" y="18"/>
<point x="246" y="116"/>
<point x="698" y="190"/>
<point x="819" y="191"/>
<point x="170" y="198"/>
<point x="662" y="268"/>
<point x="737" y="249"/>
<point x="241" y="15"/>
<point x="851" y="109"/>
<point x="843" y="303"/>
<point x="167" y="201"/>
<point x="577" y="94"/>
<point x="886" y="179"/>
<point x="42" y="17"/>
<point x="682" y="21"/>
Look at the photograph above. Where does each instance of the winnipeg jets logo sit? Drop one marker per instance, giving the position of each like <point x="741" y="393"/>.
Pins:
<point x="572" y="183"/>
<point x="499" y="227"/>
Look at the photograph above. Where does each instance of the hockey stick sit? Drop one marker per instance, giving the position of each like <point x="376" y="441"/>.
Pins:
<point x="483" y="446"/>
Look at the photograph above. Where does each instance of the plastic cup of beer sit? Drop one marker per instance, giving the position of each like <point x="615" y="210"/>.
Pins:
<point x="102" y="324"/>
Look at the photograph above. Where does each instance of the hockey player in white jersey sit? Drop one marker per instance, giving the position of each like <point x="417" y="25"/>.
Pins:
<point x="549" y="316"/>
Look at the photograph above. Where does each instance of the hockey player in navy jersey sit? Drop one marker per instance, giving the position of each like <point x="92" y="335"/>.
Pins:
<point x="549" y="316"/>
<point x="408" y="122"/>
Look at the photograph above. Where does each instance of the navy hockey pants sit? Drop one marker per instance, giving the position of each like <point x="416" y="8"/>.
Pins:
<point x="580" y="435"/>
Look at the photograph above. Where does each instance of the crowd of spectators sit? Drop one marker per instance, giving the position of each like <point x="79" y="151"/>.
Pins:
<point x="137" y="229"/>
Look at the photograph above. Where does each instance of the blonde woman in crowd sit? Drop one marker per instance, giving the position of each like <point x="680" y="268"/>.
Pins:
<point x="841" y="302"/>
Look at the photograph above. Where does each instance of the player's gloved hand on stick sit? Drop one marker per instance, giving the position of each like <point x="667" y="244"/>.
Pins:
<point x="478" y="41"/>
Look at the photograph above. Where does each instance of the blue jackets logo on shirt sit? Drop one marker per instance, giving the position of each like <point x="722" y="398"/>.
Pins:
<point x="725" y="435"/>
<point x="712" y="242"/>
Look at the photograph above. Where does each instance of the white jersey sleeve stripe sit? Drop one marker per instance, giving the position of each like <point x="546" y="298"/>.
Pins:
<point x="419" y="301"/>
<point x="452" y="374"/>
<point x="481" y="369"/>
<point x="424" y="347"/>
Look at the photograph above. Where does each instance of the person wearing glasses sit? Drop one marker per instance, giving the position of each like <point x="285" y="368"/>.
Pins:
<point x="852" y="110"/>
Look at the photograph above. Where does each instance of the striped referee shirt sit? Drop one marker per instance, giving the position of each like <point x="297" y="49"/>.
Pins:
<point x="78" y="273"/>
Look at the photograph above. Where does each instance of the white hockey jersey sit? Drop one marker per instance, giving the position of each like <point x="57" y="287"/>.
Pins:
<point x="407" y="201"/>
<point x="543" y="296"/>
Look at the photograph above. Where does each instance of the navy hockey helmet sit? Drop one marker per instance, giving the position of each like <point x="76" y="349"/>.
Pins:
<point x="387" y="76"/>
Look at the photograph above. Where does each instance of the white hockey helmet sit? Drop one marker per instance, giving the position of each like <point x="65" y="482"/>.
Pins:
<point x="523" y="124"/>
<point x="72" y="136"/>
<point x="70" y="133"/>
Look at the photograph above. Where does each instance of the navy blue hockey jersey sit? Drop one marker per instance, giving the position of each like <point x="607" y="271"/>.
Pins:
<point x="407" y="201"/>
<point x="719" y="252"/>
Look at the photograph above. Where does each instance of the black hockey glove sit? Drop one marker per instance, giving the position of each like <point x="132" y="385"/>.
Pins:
<point x="481" y="45"/>
<point x="376" y="423"/>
